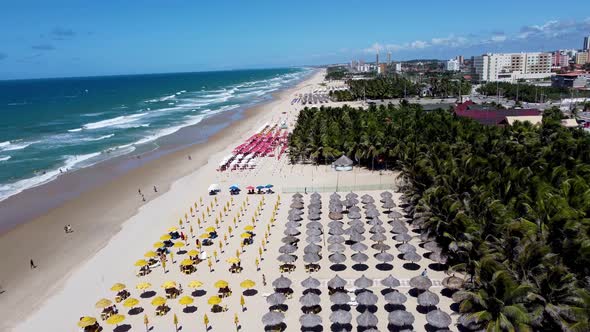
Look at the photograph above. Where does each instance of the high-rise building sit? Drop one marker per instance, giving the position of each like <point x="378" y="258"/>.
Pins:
<point x="453" y="65"/>
<point x="377" y="59"/>
<point x="398" y="67"/>
<point x="586" y="43"/>
<point x="510" y="67"/>
<point x="382" y="68"/>
<point x="388" y="58"/>
<point x="460" y="59"/>
<point x="560" y="59"/>
<point x="582" y="58"/>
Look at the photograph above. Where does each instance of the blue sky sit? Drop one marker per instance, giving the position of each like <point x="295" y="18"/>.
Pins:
<point x="79" y="38"/>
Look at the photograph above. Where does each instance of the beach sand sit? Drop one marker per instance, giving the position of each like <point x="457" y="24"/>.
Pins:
<point x="113" y="229"/>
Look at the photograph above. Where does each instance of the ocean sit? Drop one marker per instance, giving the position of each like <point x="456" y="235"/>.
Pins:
<point x="49" y="126"/>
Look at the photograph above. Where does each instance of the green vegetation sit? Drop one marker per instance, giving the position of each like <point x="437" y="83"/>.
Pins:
<point x="527" y="92"/>
<point x="509" y="206"/>
<point x="336" y="73"/>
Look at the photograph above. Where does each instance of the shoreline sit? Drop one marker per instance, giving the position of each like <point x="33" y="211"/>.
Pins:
<point x="59" y="256"/>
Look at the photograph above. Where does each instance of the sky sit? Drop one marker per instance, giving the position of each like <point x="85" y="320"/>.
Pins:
<point x="57" y="38"/>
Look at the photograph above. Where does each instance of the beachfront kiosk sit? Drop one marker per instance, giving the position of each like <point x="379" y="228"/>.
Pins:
<point x="342" y="164"/>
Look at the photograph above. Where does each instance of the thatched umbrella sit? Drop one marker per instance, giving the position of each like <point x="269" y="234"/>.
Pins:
<point x="336" y="239"/>
<point x="438" y="319"/>
<point x="432" y="246"/>
<point x="438" y="257"/>
<point x="336" y="247"/>
<point x="363" y="282"/>
<point x="367" y="319"/>
<point x="275" y="299"/>
<point x="372" y="213"/>
<point x="377" y="229"/>
<point x="291" y="231"/>
<point x="336" y="282"/>
<point x="412" y="257"/>
<point x="426" y="236"/>
<point x="365" y="199"/>
<point x="359" y="257"/>
<point x="335" y="196"/>
<point x="309" y="300"/>
<point x="273" y="318"/>
<point x="310" y="320"/>
<point x="403" y="237"/>
<point x="315" y="195"/>
<point x="386" y="194"/>
<point x="311" y="258"/>
<point x="400" y="318"/>
<point x="378" y="237"/>
<point x="335" y="224"/>
<point x="421" y="282"/>
<point x="356" y="237"/>
<point x="287" y="258"/>
<point x="395" y="298"/>
<point x="390" y="282"/>
<point x="313" y="239"/>
<point x="340" y="317"/>
<point x="310" y="283"/>
<point x="314" y="210"/>
<point x="287" y="249"/>
<point x="294" y="217"/>
<point x="281" y="282"/>
<point x="289" y="239"/>
<point x="356" y="225"/>
<point x="381" y="246"/>
<point x="399" y="229"/>
<point x="384" y="257"/>
<point x="427" y="299"/>
<point x="295" y="212"/>
<point x="312" y="248"/>
<point x="297" y="195"/>
<point x="453" y="282"/>
<point x="367" y="298"/>
<point x="314" y="216"/>
<point x="359" y="247"/>
<point x="336" y="231"/>
<point x="375" y="222"/>
<point x="394" y="215"/>
<point x="388" y="204"/>
<point x="335" y="215"/>
<point x="336" y="208"/>
<point x="337" y="258"/>
<point x="406" y="247"/>
<point x="296" y="205"/>
<point x="354" y="215"/>
<point x="354" y="209"/>
<point x="292" y="224"/>
<point x="370" y="206"/>
<point x="340" y="298"/>
<point x="351" y="195"/>
<point x="313" y="232"/>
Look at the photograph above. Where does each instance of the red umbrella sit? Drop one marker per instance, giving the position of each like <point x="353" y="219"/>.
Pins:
<point x="249" y="188"/>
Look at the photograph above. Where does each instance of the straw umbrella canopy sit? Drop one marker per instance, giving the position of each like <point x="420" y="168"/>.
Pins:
<point x="420" y="282"/>
<point x="335" y="195"/>
<point x="292" y="224"/>
<point x="390" y="282"/>
<point x="291" y="231"/>
<point x="395" y="298"/>
<point x="273" y="318"/>
<point x="363" y="282"/>
<point x="310" y="320"/>
<point x="115" y="319"/>
<point x="359" y="247"/>
<point x="311" y="258"/>
<point x="287" y="249"/>
<point x="356" y="226"/>
<point x="336" y="239"/>
<point x="354" y="209"/>
<point x="340" y="298"/>
<point x="103" y="303"/>
<point x="365" y="199"/>
<point x="381" y="246"/>
<point x="221" y="284"/>
<point x="169" y="284"/>
<point x="158" y="301"/>
<point x="399" y="228"/>
<point x="378" y="237"/>
<point x="281" y="282"/>
<point x="432" y="246"/>
<point x="86" y="321"/>
<point x="247" y="284"/>
<point x="386" y="194"/>
<point x="359" y="257"/>
<point x="186" y="300"/>
<point x="194" y="284"/>
<point x="312" y="248"/>
<point x="313" y="239"/>
<point x="314" y="216"/>
<point x="426" y="236"/>
<point x="314" y="224"/>
<point x="412" y="256"/>
<point x="186" y="262"/>
<point x="159" y="244"/>
<point x="340" y="317"/>
<point x="296" y="205"/>
<point x="337" y="258"/>
<point x="336" y="231"/>
<point x="315" y="195"/>
<point x="294" y="217"/>
<point x="287" y="258"/>
<point x="165" y="237"/>
<point x="394" y="215"/>
<point x="335" y="224"/>
<point x="438" y="319"/>
<point x="336" y="247"/>
<point x="214" y="300"/>
<point x="118" y="287"/>
<point x="372" y="213"/>
<point x="141" y="263"/>
<point x="367" y="298"/>
<point x="289" y="239"/>
<point x="367" y="318"/>
<point x="310" y="283"/>
<point x="400" y="318"/>
<point x="377" y="229"/>
<point x="309" y="300"/>
<point x="375" y="222"/>
<point x="384" y="257"/>
<point x="312" y="232"/>
<point x="354" y="215"/>
<point x="335" y="215"/>
<point x="388" y="204"/>
<point x="438" y="257"/>
<point x="336" y="282"/>
<point x="453" y="282"/>
<point x="193" y="253"/>
<point x="357" y="237"/>
<point x="352" y="195"/>
<point x="143" y="285"/>
<point x="403" y="237"/>
<point x="297" y="195"/>
<point x="370" y="206"/>
<point x="276" y="299"/>
<point x="295" y="212"/>
<point x="406" y="248"/>
<point x="427" y="299"/>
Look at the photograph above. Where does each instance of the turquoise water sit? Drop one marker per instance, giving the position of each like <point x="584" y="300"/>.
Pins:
<point x="65" y="124"/>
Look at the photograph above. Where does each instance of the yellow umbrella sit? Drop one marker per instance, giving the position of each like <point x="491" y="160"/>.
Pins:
<point x="150" y="254"/>
<point x="172" y="229"/>
<point x="233" y="260"/>
<point x="165" y="237"/>
<point x="103" y="303"/>
<point x="193" y="253"/>
<point x="213" y="300"/>
<point x="249" y="228"/>
<point x="246" y="235"/>
<point x="186" y="262"/>
<point x="115" y="319"/>
<point x="204" y="236"/>
<point x="118" y="287"/>
<point x="186" y="300"/>
<point x="210" y="229"/>
<point x="247" y="284"/>
<point x="195" y="284"/>
<point x="141" y="262"/>
<point x="158" y="244"/>
<point x="143" y="285"/>
<point x="86" y="321"/>
<point x="178" y="244"/>
<point x="158" y="301"/>
<point x="169" y="284"/>
<point x="221" y="284"/>
<point x="130" y="302"/>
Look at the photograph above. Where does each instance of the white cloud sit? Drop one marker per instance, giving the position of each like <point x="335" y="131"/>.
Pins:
<point x="498" y="38"/>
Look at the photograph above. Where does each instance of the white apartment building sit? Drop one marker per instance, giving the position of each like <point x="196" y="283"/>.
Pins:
<point x="453" y="65"/>
<point x="509" y="67"/>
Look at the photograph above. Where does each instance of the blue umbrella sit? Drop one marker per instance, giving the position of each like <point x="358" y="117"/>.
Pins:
<point x="268" y="186"/>
<point x="234" y="187"/>
<point x="259" y="187"/>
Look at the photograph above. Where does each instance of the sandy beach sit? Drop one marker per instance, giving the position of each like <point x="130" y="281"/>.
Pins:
<point x="113" y="228"/>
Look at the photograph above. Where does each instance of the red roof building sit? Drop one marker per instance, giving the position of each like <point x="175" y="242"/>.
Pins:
<point x="490" y="116"/>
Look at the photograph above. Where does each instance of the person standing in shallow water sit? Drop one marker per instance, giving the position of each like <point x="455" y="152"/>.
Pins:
<point x="33" y="266"/>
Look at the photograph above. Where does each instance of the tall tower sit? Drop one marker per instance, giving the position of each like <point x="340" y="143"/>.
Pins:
<point x="586" y="43"/>
<point x="388" y="58"/>
<point x="377" y="59"/>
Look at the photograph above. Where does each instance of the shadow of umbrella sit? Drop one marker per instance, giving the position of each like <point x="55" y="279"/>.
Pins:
<point x="122" y="328"/>
<point x="147" y="295"/>
<point x="198" y="292"/>
<point x="135" y="311"/>
<point x="189" y="309"/>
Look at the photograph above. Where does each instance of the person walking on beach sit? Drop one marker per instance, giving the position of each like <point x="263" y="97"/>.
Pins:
<point x="33" y="266"/>
<point x="263" y="280"/>
<point x="139" y="191"/>
<point x="424" y="273"/>
<point x="155" y="189"/>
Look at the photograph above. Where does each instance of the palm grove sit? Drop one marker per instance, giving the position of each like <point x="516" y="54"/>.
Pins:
<point x="509" y="206"/>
